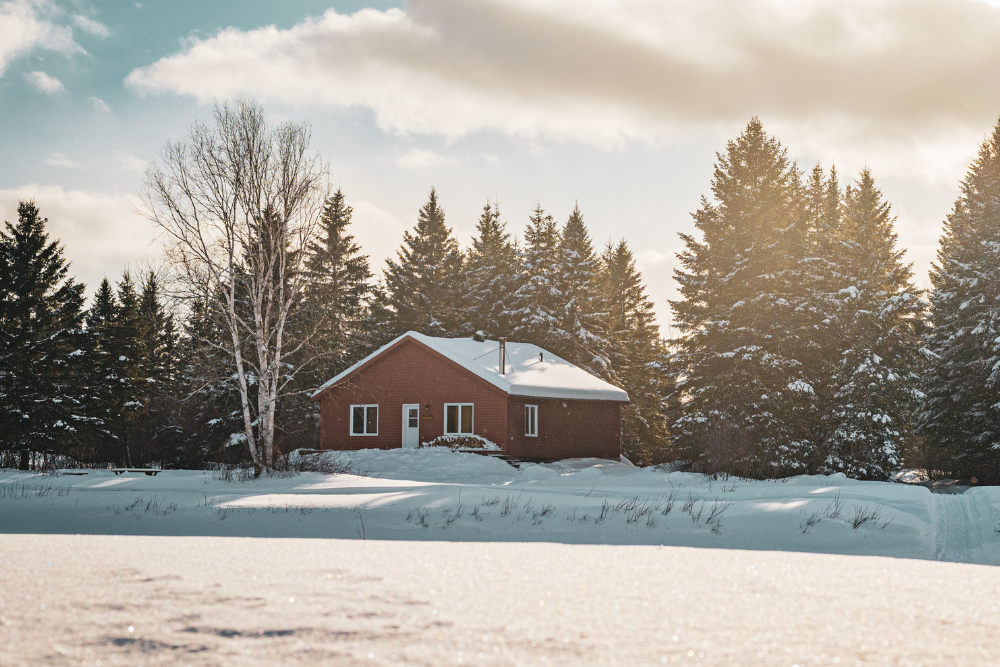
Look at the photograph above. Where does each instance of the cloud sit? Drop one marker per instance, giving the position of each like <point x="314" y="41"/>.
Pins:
<point x="378" y="231"/>
<point x="607" y="71"/>
<point x="95" y="28"/>
<point x="45" y="83"/>
<point x="99" y="104"/>
<point x="59" y="160"/>
<point x="100" y="232"/>
<point x="26" y="25"/>
<point x="418" y="158"/>
<point x="653" y="257"/>
<point x="128" y="162"/>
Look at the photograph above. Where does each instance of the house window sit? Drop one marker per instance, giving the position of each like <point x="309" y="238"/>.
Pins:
<point x="364" y="420"/>
<point x="458" y="418"/>
<point x="531" y="421"/>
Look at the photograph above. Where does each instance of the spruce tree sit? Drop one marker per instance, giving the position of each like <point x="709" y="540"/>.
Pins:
<point x="100" y="445"/>
<point x="210" y="413"/>
<point x="577" y="336"/>
<point x="638" y="359"/>
<point x="121" y="379"/>
<point x="42" y="407"/>
<point x="129" y="326"/>
<point x="492" y="277"/>
<point x="158" y="335"/>
<point x="823" y="276"/>
<point x="539" y="304"/>
<point x="748" y="404"/>
<point x="960" y="418"/>
<point x="101" y="314"/>
<point x="155" y="429"/>
<point x="338" y="295"/>
<point x="380" y="323"/>
<point x="873" y="375"/>
<point x="822" y="270"/>
<point x="423" y="285"/>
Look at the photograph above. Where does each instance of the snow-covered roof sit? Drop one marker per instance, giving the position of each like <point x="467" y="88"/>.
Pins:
<point x="527" y="373"/>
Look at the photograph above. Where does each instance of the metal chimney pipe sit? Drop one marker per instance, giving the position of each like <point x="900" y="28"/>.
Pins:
<point x="503" y="356"/>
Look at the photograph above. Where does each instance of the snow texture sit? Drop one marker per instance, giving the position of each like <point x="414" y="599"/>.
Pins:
<point x="209" y="601"/>
<point x="530" y="370"/>
<point x="437" y="494"/>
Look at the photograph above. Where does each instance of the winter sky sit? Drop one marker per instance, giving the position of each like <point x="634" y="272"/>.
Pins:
<point x="619" y="105"/>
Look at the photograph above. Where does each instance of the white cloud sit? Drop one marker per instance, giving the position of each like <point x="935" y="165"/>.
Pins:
<point x="378" y="231"/>
<point x="100" y="232"/>
<point x="417" y="158"/>
<point x="59" y="160"/>
<point x="128" y="162"/>
<point x="99" y="104"/>
<point x="45" y="83"/>
<point x="90" y="25"/>
<point x="26" y="25"/>
<point x="903" y="80"/>
<point x="653" y="257"/>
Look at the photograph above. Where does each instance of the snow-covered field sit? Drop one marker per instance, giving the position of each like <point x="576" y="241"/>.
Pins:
<point x="104" y="601"/>
<point x="440" y="495"/>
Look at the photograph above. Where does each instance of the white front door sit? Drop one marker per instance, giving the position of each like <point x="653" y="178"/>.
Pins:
<point x="411" y="425"/>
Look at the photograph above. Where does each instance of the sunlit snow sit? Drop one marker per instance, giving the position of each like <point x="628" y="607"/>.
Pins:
<point x="451" y="496"/>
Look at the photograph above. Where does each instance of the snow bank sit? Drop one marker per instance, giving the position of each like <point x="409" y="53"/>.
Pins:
<point x="438" y="494"/>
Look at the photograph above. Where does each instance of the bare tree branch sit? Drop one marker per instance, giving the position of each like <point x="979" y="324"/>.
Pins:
<point x="239" y="204"/>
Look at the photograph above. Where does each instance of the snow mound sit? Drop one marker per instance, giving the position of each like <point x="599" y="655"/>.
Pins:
<point x="433" y="464"/>
<point x="439" y="494"/>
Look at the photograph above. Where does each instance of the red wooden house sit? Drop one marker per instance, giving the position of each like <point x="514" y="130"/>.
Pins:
<point x="417" y="388"/>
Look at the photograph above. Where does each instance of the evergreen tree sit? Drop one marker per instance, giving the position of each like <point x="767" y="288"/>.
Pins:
<point x="748" y="404"/>
<point x="823" y="276"/>
<point x="539" y="304"/>
<point x="578" y="336"/>
<point x="492" y="277"/>
<point x="195" y="412"/>
<point x="873" y="375"/>
<point x="822" y="270"/>
<point x="423" y="285"/>
<point x="158" y="335"/>
<point x="213" y="420"/>
<point x="961" y="415"/>
<point x="121" y="378"/>
<point x="41" y="406"/>
<point x="101" y="315"/>
<point x="155" y="429"/>
<point x="129" y="326"/>
<point x="380" y="323"/>
<point x="100" y="446"/>
<point x="338" y="294"/>
<point x="639" y="360"/>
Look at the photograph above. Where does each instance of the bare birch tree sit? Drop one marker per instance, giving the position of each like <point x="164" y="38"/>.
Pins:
<point x="239" y="203"/>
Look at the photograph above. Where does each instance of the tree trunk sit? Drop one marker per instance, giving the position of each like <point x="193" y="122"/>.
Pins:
<point x="23" y="463"/>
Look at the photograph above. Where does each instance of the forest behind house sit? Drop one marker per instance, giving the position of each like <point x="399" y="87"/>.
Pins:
<point x="803" y="345"/>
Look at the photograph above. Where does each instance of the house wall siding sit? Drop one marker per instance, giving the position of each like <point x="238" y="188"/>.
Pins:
<point x="566" y="429"/>
<point x="409" y="372"/>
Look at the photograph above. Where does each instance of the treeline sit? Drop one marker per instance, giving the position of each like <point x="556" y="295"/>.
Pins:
<point x="136" y="379"/>
<point x="804" y="347"/>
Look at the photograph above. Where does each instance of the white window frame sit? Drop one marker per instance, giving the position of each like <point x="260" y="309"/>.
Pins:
<point x="460" y="406"/>
<point x="534" y="420"/>
<point x="366" y="406"/>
